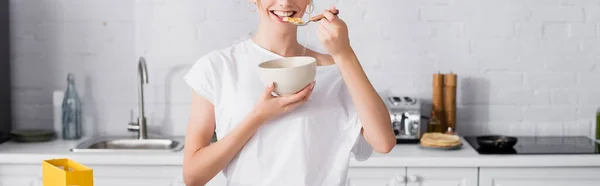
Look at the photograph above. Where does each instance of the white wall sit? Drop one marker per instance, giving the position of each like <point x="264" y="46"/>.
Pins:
<point x="525" y="66"/>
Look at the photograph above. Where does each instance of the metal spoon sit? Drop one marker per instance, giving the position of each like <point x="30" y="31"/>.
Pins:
<point x="315" y="18"/>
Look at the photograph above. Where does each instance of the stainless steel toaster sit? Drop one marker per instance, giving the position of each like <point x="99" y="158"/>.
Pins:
<point x="407" y="121"/>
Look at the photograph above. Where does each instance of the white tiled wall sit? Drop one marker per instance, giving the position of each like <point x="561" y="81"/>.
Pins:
<point x="525" y="66"/>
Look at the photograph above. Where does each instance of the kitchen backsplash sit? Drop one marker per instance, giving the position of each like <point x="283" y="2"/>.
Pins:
<point x="525" y="66"/>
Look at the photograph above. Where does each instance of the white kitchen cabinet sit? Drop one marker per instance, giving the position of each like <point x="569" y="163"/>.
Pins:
<point x="105" y="175"/>
<point x="412" y="176"/>
<point x="144" y="175"/>
<point x="159" y="175"/>
<point x="518" y="176"/>
<point x="358" y="176"/>
<point x="20" y="175"/>
<point x="135" y="175"/>
<point x="441" y="176"/>
<point x="19" y="181"/>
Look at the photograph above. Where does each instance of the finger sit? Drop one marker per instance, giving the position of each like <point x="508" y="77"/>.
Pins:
<point x="304" y="92"/>
<point x="332" y="7"/>
<point x="293" y="105"/>
<point x="309" y="94"/>
<point x="325" y="31"/>
<point x="330" y="16"/>
<point x="268" y="90"/>
<point x="321" y="34"/>
<point x="324" y="19"/>
<point x="296" y="97"/>
<point x="298" y="103"/>
<point x="327" y="24"/>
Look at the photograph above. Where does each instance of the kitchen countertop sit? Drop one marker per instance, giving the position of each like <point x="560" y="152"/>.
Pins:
<point x="34" y="153"/>
<point x="403" y="155"/>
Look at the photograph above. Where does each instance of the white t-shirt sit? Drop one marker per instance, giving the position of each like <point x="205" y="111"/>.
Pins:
<point x="310" y="145"/>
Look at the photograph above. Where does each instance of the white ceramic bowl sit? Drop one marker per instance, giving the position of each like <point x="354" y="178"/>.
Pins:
<point x="290" y="74"/>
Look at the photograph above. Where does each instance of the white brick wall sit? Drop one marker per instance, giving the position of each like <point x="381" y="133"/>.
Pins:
<point x="557" y="14"/>
<point x="526" y="67"/>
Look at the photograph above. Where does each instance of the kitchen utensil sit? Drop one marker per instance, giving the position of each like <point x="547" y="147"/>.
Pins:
<point x="407" y="121"/>
<point x="314" y="19"/>
<point x="450" y="101"/>
<point x="290" y="74"/>
<point x="496" y="141"/>
<point x="32" y="135"/>
<point x="437" y="122"/>
<point x="541" y="145"/>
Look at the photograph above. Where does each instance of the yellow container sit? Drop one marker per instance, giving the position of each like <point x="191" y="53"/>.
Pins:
<point x="65" y="172"/>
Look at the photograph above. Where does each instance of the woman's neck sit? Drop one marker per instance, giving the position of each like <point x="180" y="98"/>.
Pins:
<point x="283" y="44"/>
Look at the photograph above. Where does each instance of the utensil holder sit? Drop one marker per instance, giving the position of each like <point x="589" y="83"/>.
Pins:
<point x="66" y="172"/>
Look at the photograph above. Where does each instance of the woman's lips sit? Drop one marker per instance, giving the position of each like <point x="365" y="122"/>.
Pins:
<point x="280" y="18"/>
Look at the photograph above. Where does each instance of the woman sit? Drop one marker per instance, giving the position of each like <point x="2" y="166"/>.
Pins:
<point x="302" y="139"/>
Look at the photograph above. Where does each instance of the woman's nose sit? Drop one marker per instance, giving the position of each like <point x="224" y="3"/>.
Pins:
<point x="283" y="3"/>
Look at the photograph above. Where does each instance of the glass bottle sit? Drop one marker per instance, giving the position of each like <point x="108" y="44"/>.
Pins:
<point x="597" y="130"/>
<point x="71" y="111"/>
<point x="598" y="124"/>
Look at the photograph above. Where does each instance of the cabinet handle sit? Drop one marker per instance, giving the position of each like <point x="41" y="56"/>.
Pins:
<point x="413" y="178"/>
<point x="397" y="180"/>
<point x="400" y="179"/>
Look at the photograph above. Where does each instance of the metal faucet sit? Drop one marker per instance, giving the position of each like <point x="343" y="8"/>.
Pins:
<point x="141" y="126"/>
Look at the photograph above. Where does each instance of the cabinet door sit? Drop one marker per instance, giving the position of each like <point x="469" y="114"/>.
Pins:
<point x="376" y="176"/>
<point x="20" y="175"/>
<point x="18" y="181"/>
<point x="146" y="175"/>
<point x="539" y="176"/>
<point x="132" y="182"/>
<point x="105" y="175"/>
<point x="441" y="176"/>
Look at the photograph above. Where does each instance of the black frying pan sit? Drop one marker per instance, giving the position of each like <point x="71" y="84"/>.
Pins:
<point x="496" y="142"/>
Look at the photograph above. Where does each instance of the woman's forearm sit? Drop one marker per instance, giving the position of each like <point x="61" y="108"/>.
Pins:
<point x="206" y="162"/>
<point x="372" y="112"/>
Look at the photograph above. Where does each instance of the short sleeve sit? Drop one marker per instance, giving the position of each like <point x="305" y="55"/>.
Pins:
<point x="202" y="78"/>
<point x="362" y="150"/>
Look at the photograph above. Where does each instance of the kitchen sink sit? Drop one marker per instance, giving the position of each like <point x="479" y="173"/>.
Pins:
<point x="128" y="144"/>
<point x="116" y="144"/>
